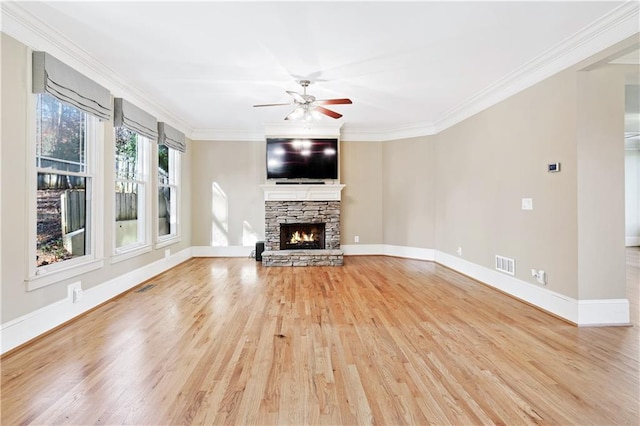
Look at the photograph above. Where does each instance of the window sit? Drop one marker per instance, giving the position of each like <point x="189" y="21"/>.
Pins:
<point x="65" y="182"/>
<point x="168" y="194"/>
<point x="64" y="187"/>
<point x="63" y="176"/>
<point x="131" y="189"/>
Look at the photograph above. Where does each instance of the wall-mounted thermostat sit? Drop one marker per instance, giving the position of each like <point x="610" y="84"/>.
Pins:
<point x="553" y="167"/>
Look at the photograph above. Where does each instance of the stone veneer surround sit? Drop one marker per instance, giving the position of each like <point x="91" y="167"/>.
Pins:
<point x="277" y="212"/>
<point x="303" y="258"/>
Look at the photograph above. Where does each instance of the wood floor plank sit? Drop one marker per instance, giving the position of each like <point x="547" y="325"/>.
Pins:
<point x="381" y="340"/>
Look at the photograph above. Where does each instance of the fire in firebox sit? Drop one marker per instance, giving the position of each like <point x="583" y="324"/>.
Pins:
<point x="298" y="237"/>
<point x="302" y="236"/>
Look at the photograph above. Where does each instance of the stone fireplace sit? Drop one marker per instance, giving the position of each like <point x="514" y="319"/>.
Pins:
<point x="302" y="225"/>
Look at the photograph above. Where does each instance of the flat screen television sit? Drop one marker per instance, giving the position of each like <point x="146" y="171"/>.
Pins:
<point x="302" y="158"/>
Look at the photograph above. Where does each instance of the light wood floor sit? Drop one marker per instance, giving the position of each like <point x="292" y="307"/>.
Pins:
<point x="381" y="340"/>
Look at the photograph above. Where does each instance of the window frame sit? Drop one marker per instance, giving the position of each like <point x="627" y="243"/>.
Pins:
<point x="175" y="163"/>
<point x="143" y="145"/>
<point x="41" y="276"/>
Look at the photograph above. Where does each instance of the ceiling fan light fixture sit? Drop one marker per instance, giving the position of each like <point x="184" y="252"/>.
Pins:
<point x="307" y="107"/>
<point x="309" y="113"/>
<point x="316" y="115"/>
<point x="297" y="114"/>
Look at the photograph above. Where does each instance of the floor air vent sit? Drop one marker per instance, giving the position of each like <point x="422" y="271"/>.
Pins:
<point x="145" y="288"/>
<point x="506" y="265"/>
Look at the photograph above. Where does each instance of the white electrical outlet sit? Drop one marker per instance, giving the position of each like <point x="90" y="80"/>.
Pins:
<point x="356" y="239"/>
<point x="527" y="204"/>
<point x="74" y="292"/>
<point x="77" y="295"/>
<point x="167" y="253"/>
<point x="459" y="251"/>
<point x="540" y="276"/>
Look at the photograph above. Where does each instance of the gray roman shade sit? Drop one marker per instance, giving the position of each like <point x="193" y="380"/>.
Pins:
<point x="171" y="137"/>
<point x="126" y="114"/>
<point x="68" y="85"/>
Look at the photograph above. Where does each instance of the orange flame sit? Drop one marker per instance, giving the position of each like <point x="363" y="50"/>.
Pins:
<point x="299" y="238"/>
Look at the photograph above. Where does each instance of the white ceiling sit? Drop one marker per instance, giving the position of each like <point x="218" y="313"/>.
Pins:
<point x="408" y="67"/>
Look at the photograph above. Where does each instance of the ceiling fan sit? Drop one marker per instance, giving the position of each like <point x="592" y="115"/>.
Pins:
<point x="307" y="106"/>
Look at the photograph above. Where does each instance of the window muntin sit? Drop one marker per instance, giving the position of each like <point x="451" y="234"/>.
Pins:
<point x="131" y="187"/>
<point x="64" y="182"/>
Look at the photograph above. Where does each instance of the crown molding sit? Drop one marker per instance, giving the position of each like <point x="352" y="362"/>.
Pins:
<point x="632" y="58"/>
<point x="228" y="135"/>
<point x="361" y="134"/>
<point x="618" y="25"/>
<point x="346" y="134"/>
<point x="630" y="61"/>
<point x="614" y="27"/>
<point x="38" y="35"/>
<point x="294" y="128"/>
<point x="303" y="128"/>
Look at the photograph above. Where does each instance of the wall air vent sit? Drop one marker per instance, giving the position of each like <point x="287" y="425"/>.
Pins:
<point x="506" y="265"/>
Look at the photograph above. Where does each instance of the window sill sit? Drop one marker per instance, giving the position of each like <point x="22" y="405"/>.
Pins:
<point x="168" y="241"/>
<point x="123" y="255"/>
<point x="45" y="278"/>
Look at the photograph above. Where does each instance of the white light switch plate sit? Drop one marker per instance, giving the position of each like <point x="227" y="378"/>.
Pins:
<point x="527" y="204"/>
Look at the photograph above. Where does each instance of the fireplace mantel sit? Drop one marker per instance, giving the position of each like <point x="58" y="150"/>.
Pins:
<point x="302" y="192"/>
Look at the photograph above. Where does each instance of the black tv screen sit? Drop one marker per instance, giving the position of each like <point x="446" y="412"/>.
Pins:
<point x="302" y="158"/>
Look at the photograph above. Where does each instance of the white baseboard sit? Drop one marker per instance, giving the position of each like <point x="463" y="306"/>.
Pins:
<point x="27" y="327"/>
<point x="603" y="312"/>
<point x="388" y="250"/>
<point x="579" y="312"/>
<point x="558" y="304"/>
<point x="362" y="249"/>
<point x="409" y="252"/>
<point x="632" y="241"/>
<point x="226" y="251"/>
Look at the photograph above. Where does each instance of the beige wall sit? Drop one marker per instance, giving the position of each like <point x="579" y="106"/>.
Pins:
<point x="237" y="169"/>
<point x="600" y="153"/>
<point x="489" y="162"/>
<point x="16" y="301"/>
<point x="12" y="156"/>
<point x="408" y="192"/>
<point x="632" y="196"/>
<point x="226" y="177"/>
<point x="361" y="170"/>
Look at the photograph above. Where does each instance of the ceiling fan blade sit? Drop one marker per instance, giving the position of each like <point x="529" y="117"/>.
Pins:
<point x="265" y="105"/>
<point x="297" y="96"/>
<point x="333" y="101"/>
<point x="328" y="112"/>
